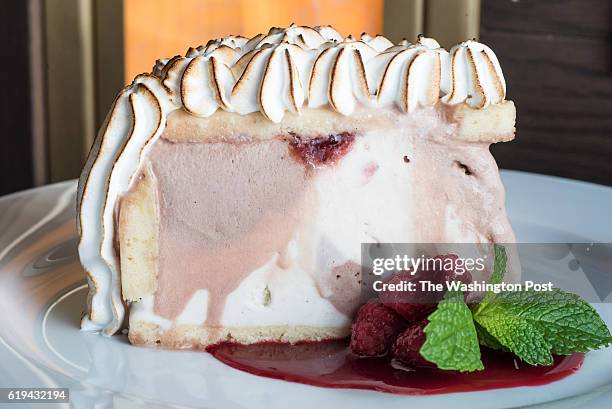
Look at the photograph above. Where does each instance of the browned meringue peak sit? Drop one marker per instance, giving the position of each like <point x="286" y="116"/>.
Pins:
<point x="305" y="37"/>
<point x="233" y="42"/>
<point x="410" y="75"/>
<point x="159" y="67"/>
<point x="379" y="43"/>
<point x="476" y="76"/>
<point x="329" y="33"/>
<point x="339" y="76"/>
<point x="289" y="67"/>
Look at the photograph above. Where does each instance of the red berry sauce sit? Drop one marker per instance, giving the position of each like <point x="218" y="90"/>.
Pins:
<point x="331" y="364"/>
<point x="325" y="150"/>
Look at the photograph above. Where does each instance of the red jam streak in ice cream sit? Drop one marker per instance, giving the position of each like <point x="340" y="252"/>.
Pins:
<point x="331" y="364"/>
<point x="324" y="150"/>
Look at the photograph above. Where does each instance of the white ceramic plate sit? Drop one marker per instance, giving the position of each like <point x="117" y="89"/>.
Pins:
<point x="42" y="293"/>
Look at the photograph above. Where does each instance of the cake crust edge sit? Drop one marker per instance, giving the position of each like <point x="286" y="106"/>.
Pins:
<point x="199" y="337"/>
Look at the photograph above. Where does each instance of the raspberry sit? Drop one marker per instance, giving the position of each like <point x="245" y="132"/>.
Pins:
<point x="415" y="305"/>
<point x="465" y="278"/>
<point x="375" y="329"/>
<point x="407" y="345"/>
<point x="411" y="305"/>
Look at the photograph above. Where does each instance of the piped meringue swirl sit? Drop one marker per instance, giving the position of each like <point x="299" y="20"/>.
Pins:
<point x="287" y="70"/>
<point x="297" y="67"/>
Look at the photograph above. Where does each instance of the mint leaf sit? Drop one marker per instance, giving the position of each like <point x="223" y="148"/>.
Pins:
<point x="568" y="323"/>
<point x="499" y="269"/>
<point x="497" y="276"/>
<point x="487" y="339"/>
<point x="515" y="333"/>
<point x="451" y="340"/>
<point x="499" y="266"/>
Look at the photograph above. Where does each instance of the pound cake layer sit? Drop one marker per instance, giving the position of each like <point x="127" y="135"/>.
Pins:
<point x="199" y="337"/>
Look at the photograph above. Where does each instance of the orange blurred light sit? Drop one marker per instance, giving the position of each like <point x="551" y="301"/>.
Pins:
<point x="163" y="28"/>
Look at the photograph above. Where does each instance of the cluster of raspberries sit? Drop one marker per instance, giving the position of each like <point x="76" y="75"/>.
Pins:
<point x="394" y="322"/>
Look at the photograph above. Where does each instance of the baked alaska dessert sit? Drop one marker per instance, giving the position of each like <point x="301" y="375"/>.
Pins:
<point x="228" y="192"/>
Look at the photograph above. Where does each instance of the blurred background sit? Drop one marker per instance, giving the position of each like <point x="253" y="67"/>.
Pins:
<point x="65" y="60"/>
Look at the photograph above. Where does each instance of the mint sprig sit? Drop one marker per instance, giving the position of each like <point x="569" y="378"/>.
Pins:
<point x="451" y="340"/>
<point x="532" y="325"/>
<point x="566" y="323"/>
